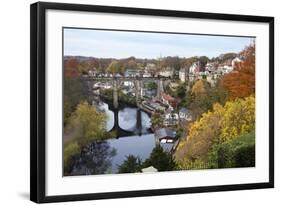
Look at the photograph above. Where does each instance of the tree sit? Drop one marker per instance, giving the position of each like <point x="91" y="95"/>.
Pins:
<point x="131" y="164"/>
<point x="87" y="124"/>
<point x="201" y="100"/>
<point x="239" y="152"/>
<point x="204" y="96"/>
<point x="223" y="124"/>
<point x="160" y="160"/>
<point x="151" y="85"/>
<point x="115" y="67"/>
<point x="238" y="119"/>
<point x="74" y="92"/>
<point x="186" y="100"/>
<point x="203" y="60"/>
<point x="171" y="61"/>
<point x="156" y="120"/>
<point x="203" y="133"/>
<point x="241" y="82"/>
<point x="131" y="64"/>
<point x="200" y="87"/>
<point x="70" y="150"/>
<point x="181" y="91"/>
<point x="71" y="68"/>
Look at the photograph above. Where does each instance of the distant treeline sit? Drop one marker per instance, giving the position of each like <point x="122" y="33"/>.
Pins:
<point x="84" y="64"/>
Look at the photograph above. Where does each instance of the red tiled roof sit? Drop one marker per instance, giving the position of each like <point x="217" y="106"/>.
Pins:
<point x="168" y="98"/>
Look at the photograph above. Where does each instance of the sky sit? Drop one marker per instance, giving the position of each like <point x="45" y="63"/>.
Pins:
<point x="123" y="44"/>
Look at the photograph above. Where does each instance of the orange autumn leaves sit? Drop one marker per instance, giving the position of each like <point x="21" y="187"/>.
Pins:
<point x="241" y="82"/>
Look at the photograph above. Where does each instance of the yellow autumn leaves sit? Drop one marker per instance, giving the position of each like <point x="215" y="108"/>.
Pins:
<point x="220" y="125"/>
<point x="238" y="118"/>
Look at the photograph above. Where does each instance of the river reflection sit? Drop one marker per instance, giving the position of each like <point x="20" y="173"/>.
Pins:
<point x="105" y="156"/>
<point x="127" y="118"/>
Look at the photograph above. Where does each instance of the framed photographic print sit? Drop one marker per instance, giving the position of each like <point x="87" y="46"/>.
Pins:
<point x="129" y="102"/>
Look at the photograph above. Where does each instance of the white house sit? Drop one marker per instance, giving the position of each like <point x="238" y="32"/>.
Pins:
<point x="147" y="74"/>
<point x="182" y="74"/>
<point x="173" y="116"/>
<point x="195" y="67"/>
<point x="167" y="72"/>
<point x="150" y="67"/>
<point x="211" y="66"/>
<point x="184" y="114"/>
<point x="235" y="60"/>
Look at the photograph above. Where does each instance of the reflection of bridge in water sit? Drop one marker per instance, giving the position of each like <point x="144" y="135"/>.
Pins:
<point x="136" y="130"/>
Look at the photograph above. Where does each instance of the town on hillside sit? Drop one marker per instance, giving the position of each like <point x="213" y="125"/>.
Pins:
<point x="169" y="113"/>
<point x="164" y="85"/>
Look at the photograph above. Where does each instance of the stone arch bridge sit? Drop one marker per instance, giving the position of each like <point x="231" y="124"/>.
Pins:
<point x="137" y="81"/>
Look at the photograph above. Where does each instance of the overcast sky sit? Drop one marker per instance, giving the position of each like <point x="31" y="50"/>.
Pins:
<point x="123" y="44"/>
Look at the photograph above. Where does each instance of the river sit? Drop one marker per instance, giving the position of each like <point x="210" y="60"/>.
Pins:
<point x="105" y="156"/>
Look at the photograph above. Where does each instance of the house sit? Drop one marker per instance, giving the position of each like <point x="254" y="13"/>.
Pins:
<point x="171" y="119"/>
<point x="118" y="75"/>
<point x="183" y="74"/>
<point x="171" y="115"/>
<point x="167" y="72"/>
<point x="149" y="93"/>
<point x="235" y="61"/>
<point x="128" y="84"/>
<point x="132" y="73"/>
<point x="164" y="135"/>
<point x="211" y="66"/>
<point x="169" y="100"/>
<point x="185" y="115"/>
<point x="196" y="67"/>
<point x="153" y="106"/>
<point x="147" y="74"/>
<point x="91" y="73"/>
<point x="150" y="67"/>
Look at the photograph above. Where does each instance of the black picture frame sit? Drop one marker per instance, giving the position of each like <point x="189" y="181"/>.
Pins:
<point x="38" y="100"/>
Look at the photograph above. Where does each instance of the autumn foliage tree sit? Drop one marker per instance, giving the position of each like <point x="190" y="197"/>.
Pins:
<point x="221" y="125"/>
<point x="85" y="125"/>
<point x="202" y="135"/>
<point x="203" y="96"/>
<point x="241" y="82"/>
<point x="71" y="68"/>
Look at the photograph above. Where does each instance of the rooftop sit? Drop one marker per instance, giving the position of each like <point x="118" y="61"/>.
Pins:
<point x="163" y="132"/>
<point x="184" y="110"/>
<point x="168" y="97"/>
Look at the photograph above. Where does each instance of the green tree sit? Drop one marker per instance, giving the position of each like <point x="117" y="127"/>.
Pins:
<point x="156" y="120"/>
<point x="203" y="96"/>
<point x="181" y="90"/>
<point x="74" y="92"/>
<point x="87" y="124"/>
<point x="131" y="164"/>
<point x="238" y="152"/>
<point x="151" y="85"/>
<point x="70" y="149"/>
<point x="115" y="67"/>
<point x="203" y="60"/>
<point x="160" y="160"/>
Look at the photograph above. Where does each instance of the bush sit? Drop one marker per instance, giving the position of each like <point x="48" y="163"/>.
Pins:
<point x="239" y="152"/>
<point x="160" y="160"/>
<point x="132" y="164"/>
